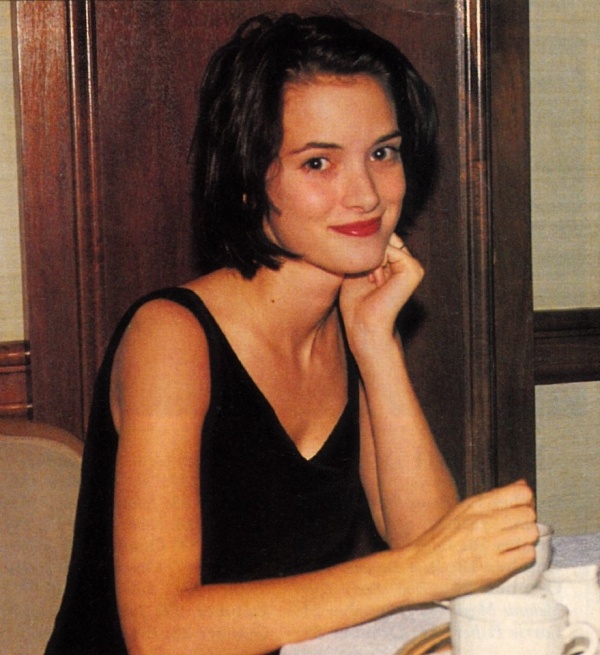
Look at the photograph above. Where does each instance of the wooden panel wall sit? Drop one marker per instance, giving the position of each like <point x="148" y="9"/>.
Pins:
<point x="50" y="247"/>
<point x="15" y="380"/>
<point x="510" y="245"/>
<point x="107" y="95"/>
<point x="567" y="346"/>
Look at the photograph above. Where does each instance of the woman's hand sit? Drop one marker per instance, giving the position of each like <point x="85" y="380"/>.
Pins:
<point x="370" y="303"/>
<point x="482" y="540"/>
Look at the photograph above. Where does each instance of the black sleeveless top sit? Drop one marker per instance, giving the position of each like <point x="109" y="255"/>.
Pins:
<point x="266" y="510"/>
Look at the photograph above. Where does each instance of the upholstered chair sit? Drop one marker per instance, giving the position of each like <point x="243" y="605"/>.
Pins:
<point x="39" y="481"/>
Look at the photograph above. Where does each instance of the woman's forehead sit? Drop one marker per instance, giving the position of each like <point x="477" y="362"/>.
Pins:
<point x="328" y="105"/>
<point x="323" y="79"/>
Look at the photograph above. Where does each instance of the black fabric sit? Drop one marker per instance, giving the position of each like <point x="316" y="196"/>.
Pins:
<point x="266" y="511"/>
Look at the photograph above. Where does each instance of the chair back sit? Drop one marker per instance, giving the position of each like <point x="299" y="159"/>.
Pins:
<point x="39" y="483"/>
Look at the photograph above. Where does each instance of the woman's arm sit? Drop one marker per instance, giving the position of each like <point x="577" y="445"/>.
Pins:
<point x="406" y="480"/>
<point x="160" y="393"/>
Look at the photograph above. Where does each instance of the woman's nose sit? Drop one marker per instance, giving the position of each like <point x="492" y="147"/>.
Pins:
<point x="360" y="190"/>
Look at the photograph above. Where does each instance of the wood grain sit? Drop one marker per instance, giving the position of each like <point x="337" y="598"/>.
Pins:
<point x="15" y="378"/>
<point x="567" y="346"/>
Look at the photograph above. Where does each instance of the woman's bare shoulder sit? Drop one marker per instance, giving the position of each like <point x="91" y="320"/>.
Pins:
<point x="163" y="317"/>
<point x="162" y="363"/>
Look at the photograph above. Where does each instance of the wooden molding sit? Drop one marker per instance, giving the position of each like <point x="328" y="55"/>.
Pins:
<point x="514" y="393"/>
<point x="567" y="346"/>
<point x="476" y="198"/>
<point x="15" y="373"/>
<point x="46" y="154"/>
<point x="87" y="223"/>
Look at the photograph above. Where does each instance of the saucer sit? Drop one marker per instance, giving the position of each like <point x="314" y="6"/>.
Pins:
<point x="436" y="641"/>
<point x="431" y="642"/>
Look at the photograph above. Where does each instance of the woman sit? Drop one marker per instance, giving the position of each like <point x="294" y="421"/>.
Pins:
<point x="244" y="421"/>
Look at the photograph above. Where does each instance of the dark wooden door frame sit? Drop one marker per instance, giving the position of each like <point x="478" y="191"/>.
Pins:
<point x="54" y="44"/>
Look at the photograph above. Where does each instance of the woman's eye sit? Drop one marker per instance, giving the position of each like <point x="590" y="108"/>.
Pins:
<point x="386" y="153"/>
<point x="316" y="164"/>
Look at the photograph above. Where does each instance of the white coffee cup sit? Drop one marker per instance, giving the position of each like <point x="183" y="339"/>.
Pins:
<point x="527" y="579"/>
<point x="576" y="587"/>
<point x="515" y="624"/>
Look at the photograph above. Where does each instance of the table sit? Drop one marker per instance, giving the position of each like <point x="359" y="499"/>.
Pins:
<point x="385" y="636"/>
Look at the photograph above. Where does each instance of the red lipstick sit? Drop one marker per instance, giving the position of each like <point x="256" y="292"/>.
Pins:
<point x="359" y="229"/>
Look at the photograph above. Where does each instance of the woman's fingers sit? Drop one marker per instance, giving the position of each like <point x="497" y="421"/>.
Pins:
<point x="505" y="514"/>
<point x="517" y="558"/>
<point x="397" y="242"/>
<point x="519" y="536"/>
<point x="394" y="251"/>
<point x="517" y="493"/>
<point x="386" y="289"/>
<point x="400" y="265"/>
<point x="485" y="538"/>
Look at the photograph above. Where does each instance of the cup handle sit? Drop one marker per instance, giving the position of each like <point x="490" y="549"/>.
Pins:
<point x="581" y="630"/>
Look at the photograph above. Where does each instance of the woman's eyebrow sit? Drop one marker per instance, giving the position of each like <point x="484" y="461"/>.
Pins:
<point x="388" y="137"/>
<point x="325" y="145"/>
<point x="312" y="145"/>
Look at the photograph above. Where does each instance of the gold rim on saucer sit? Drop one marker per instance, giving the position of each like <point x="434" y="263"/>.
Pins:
<point x="436" y="640"/>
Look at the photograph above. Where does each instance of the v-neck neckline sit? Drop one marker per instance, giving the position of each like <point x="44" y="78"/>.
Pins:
<point x="265" y="401"/>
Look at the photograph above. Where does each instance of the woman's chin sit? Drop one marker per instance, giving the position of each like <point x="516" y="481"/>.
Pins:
<point x="359" y="268"/>
<point x="347" y="265"/>
<point x="364" y="265"/>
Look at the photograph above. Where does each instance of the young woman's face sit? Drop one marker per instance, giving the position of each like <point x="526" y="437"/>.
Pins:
<point x="338" y="183"/>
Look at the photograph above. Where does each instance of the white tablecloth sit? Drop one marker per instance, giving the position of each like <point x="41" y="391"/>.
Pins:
<point x="388" y="634"/>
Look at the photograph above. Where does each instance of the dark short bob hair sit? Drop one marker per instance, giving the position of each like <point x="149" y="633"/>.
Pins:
<point x="239" y="129"/>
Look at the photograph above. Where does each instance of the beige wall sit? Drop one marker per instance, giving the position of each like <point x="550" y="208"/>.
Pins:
<point x="11" y="304"/>
<point x="566" y="227"/>
<point x="568" y="454"/>
<point x="565" y="140"/>
<point x="565" y="152"/>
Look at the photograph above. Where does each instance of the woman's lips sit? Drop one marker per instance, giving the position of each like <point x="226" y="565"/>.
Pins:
<point x="358" y="229"/>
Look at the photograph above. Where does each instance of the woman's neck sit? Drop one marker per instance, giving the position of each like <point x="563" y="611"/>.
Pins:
<point x="297" y="290"/>
<point x="291" y="306"/>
